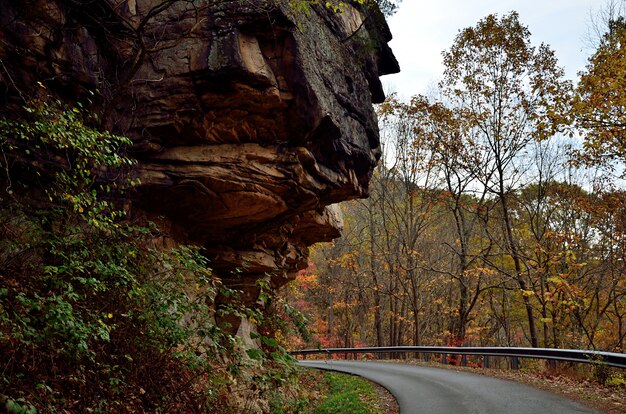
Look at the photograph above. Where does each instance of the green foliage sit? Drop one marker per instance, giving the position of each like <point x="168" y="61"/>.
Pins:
<point x="324" y="393"/>
<point x="62" y="231"/>
<point x="348" y="394"/>
<point x="17" y="406"/>
<point x="281" y="404"/>
<point x="303" y="7"/>
<point x="86" y="306"/>
<point x="301" y="396"/>
<point x="616" y="380"/>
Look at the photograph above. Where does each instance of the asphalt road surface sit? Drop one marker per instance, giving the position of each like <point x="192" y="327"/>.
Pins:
<point x="425" y="390"/>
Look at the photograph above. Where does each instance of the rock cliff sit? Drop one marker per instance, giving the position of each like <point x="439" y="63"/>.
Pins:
<point x="250" y="119"/>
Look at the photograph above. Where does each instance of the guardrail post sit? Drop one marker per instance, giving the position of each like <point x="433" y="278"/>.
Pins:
<point x="552" y="364"/>
<point x="485" y="361"/>
<point x="444" y="359"/>
<point x="463" y="360"/>
<point x="514" y="363"/>
<point x="354" y="356"/>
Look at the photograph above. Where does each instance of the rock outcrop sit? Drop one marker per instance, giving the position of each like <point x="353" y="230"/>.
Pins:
<point x="250" y="118"/>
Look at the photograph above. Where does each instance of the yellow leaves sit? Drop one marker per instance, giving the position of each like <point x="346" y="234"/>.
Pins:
<point x="598" y="105"/>
<point x="439" y="301"/>
<point x="480" y="272"/>
<point x="339" y="7"/>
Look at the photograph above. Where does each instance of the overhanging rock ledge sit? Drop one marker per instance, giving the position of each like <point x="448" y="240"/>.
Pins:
<point x="249" y="120"/>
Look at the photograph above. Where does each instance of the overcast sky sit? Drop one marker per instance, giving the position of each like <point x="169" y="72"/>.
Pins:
<point x="422" y="29"/>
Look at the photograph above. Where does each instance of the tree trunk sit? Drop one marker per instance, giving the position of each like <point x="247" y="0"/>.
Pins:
<point x="378" y="323"/>
<point x="518" y="270"/>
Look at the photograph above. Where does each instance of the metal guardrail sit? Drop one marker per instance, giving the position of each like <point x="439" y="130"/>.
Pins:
<point x="570" y="355"/>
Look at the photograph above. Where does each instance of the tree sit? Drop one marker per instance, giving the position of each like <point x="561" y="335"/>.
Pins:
<point x="599" y="104"/>
<point x="513" y="94"/>
<point x="441" y="131"/>
<point x="407" y="199"/>
<point x="478" y="229"/>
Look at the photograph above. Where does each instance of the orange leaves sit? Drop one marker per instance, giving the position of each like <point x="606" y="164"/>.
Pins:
<point x="472" y="230"/>
<point x="506" y="86"/>
<point x="599" y="105"/>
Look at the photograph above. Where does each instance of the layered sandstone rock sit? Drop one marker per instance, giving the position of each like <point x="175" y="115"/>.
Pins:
<point x="250" y="118"/>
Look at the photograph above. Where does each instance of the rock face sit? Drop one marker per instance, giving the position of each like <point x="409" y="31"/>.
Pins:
<point x="249" y="118"/>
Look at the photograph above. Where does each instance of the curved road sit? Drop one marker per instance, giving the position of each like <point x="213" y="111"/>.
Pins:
<point x="425" y="390"/>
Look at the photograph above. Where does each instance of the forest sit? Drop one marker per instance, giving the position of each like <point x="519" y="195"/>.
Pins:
<point x="496" y="216"/>
<point x="160" y="185"/>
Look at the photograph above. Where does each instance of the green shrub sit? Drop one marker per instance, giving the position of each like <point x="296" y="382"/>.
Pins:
<point x="86" y="308"/>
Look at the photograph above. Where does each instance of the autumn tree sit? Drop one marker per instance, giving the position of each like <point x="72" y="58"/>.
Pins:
<point x="479" y="229"/>
<point x="442" y="133"/>
<point x="512" y="93"/>
<point x="407" y="198"/>
<point x="599" y="104"/>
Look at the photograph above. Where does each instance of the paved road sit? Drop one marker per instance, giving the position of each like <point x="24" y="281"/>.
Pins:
<point x="425" y="390"/>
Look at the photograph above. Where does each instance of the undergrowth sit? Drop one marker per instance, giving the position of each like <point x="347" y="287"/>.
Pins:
<point x="91" y="318"/>
<point x="348" y="394"/>
<point x="318" y="392"/>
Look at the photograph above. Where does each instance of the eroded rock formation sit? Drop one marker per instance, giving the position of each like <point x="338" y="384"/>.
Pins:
<point x="249" y="118"/>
